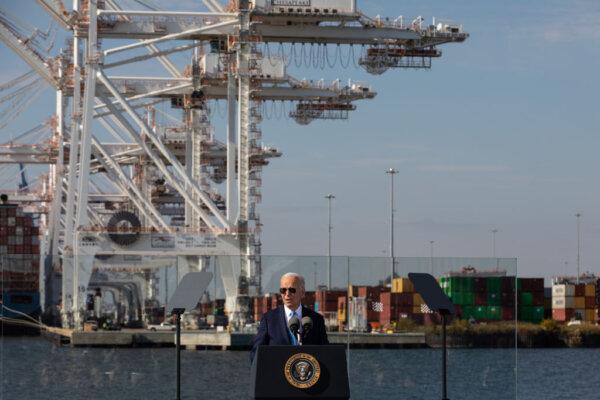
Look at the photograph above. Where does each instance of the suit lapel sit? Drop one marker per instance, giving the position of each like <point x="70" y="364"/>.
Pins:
<point x="283" y="325"/>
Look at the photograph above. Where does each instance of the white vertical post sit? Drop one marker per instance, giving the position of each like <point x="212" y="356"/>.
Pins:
<point x="231" y="150"/>
<point x="329" y="197"/>
<point x="81" y="217"/>
<point x="578" y="215"/>
<point x="392" y="172"/>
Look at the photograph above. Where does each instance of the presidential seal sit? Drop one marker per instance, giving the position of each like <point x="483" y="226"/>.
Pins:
<point x="302" y="371"/>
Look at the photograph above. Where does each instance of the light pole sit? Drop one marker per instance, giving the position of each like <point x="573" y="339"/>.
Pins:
<point x="494" y="231"/>
<point x="392" y="172"/>
<point x="578" y="215"/>
<point x="329" y="197"/>
<point x="431" y="242"/>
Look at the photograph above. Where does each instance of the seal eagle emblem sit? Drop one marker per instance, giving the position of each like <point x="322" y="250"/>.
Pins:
<point x="302" y="371"/>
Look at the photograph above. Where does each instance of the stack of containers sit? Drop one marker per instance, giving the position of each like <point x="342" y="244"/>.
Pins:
<point x="492" y="298"/>
<point x="395" y="306"/>
<point x="590" y="303"/>
<point x="461" y="290"/>
<point x="531" y="299"/>
<point x="563" y="302"/>
<point x="326" y="301"/>
<point x="20" y="251"/>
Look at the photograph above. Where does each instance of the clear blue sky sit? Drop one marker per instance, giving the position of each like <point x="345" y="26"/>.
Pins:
<point x="501" y="133"/>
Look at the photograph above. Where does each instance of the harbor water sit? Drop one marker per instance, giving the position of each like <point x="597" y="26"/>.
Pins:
<point x="36" y="369"/>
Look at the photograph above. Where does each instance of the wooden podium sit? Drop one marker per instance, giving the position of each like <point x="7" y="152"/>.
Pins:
<point x="300" y="372"/>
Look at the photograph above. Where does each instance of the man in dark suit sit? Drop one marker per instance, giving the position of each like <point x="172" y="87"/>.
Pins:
<point x="273" y="328"/>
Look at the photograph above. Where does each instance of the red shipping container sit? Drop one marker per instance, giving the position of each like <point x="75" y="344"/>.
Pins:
<point x="508" y="313"/>
<point x="580" y="290"/>
<point x="562" y="314"/>
<point x="3" y="240"/>
<point x="480" y="298"/>
<point x="508" y="284"/>
<point x="507" y="299"/>
<point x="538" y="298"/>
<point x="480" y="285"/>
<point x="11" y="230"/>
<point x="11" y="212"/>
<point x="590" y="303"/>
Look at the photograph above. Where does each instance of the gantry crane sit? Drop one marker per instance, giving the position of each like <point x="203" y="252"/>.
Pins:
<point x="238" y="54"/>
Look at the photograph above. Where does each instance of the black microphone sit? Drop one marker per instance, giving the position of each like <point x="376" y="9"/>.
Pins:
<point x="294" y="325"/>
<point x="307" y="325"/>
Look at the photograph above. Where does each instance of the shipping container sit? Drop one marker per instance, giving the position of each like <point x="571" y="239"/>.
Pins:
<point x="590" y="290"/>
<point x="494" y="299"/>
<point x="591" y="315"/>
<point x="402" y="285"/>
<point x="563" y="290"/>
<point x="494" y="285"/>
<point x="579" y="302"/>
<point x="508" y="284"/>
<point x="580" y="290"/>
<point x="480" y="285"/>
<point x="494" y="313"/>
<point x="563" y="302"/>
<point x="590" y="302"/>
<point x="562" y="314"/>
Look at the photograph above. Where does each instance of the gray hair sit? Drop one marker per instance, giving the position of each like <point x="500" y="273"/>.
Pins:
<point x="296" y="276"/>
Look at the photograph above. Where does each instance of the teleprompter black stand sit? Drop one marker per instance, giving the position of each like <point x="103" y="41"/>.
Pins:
<point x="186" y="297"/>
<point x="269" y="379"/>
<point x="437" y="301"/>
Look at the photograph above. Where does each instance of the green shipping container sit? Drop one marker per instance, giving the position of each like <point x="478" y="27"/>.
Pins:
<point x="518" y="285"/>
<point x="481" y="312"/>
<point x="494" y="285"/>
<point x="468" y="298"/>
<point x="494" y="313"/>
<point x="526" y="313"/>
<point x="537" y="314"/>
<point x="468" y="284"/>
<point x="468" y="312"/>
<point x="456" y="297"/>
<point x="526" y="299"/>
<point x="494" y="299"/>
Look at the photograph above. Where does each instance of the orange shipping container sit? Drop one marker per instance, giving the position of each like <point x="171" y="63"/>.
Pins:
<point x="579" y="302"/>
<point x="590" y="315"/>
<point x="417" y="300"/>
<point x="590" y="290"/>
<point x="402" y="285"/>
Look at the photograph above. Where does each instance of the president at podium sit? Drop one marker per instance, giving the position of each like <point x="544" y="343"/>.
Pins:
<point x="292" y="323"/>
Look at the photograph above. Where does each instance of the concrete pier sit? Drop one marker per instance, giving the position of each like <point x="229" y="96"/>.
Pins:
<point x="210" y="339"/>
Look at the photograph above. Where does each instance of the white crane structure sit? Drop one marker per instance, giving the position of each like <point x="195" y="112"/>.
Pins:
<point x="165" y="198"/>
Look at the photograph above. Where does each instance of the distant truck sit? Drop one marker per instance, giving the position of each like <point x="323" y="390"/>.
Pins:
<point x="163" y="326"/>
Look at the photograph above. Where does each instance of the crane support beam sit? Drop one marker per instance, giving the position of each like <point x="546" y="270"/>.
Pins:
<point x="172" y="36"/>
<point x="174" y="177"/>
<point x="56" y="11"/>
<point x="35" y="61"/>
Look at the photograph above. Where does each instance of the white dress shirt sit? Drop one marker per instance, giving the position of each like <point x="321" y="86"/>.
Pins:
<point x="289" y="313"/>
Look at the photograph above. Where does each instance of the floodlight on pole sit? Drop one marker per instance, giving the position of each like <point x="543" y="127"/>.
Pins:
<point x="578" y="216"/>
<point x="392" y="172"/>
<point x="431" y="243"/>
<point x="494" y="231"/>
<point x="329" y="197"/>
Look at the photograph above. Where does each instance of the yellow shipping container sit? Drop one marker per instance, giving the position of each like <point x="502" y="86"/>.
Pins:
<point x="590" y="315"/>
<point x="417" y="310"/>
<point x="402" y="285"/>
<point x="579" y="302"/>
<point x="590" y="290"/>
<point x="417" y="300"/>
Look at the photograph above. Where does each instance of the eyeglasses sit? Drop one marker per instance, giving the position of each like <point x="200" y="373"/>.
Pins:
<point x="291" y="290"/>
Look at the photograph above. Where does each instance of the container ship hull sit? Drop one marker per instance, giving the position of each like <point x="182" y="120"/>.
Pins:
<point x="19" y="270"/>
